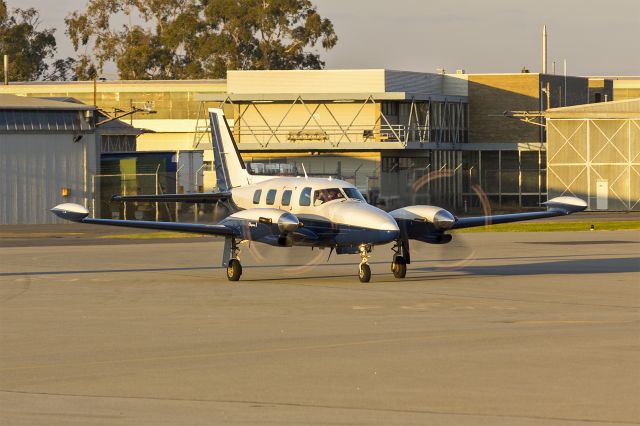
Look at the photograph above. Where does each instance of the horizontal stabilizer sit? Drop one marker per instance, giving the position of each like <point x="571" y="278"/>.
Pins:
<point x="205" y="197"/>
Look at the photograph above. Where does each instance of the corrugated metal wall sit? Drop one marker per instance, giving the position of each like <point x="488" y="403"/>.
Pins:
<point x="33" y="170"/>
<point x="413" y="82"/>
<point x="597" y="160"/>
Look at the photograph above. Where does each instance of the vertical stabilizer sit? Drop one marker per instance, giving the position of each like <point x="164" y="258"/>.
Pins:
<point x="230" y="170"/>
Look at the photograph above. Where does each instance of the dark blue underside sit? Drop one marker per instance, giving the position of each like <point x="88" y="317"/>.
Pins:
<point x="319" y="233"/>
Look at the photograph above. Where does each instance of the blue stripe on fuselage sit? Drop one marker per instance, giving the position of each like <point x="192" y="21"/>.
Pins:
<point x="328" y="234"/>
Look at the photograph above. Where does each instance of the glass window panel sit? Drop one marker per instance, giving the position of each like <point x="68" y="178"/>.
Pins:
<point x="353" y="193"/>
<point x="509" y="160"/>
<point x="256" y="196"/>
<point x="286" y="197"/>
<point x="511" y="201"/>
<point x="509" y="181"/>
<point x="271" y="196"/>
<point x="530" y="181"/>
<point x="530" y="201"/>
<point x="305" y="197"/>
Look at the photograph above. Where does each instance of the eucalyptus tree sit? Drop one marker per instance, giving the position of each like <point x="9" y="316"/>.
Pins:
<point x="198" y="38"/>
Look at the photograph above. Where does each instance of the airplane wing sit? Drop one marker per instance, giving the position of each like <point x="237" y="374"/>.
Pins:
<point x="207" y="197"/>
<point x="77" y="213"/>
<point x="559" y="206"/>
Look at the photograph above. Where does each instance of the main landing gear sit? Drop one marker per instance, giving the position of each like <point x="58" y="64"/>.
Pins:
<point x="234" y="268"/>
<point x="399" y="263"/>
<point x="364" y="271"/>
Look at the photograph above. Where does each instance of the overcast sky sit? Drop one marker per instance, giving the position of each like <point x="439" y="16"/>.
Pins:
<point x="596" y="37"/>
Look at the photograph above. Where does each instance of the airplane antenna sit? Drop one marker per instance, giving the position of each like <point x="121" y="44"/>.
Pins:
<point x="305" y="172"/>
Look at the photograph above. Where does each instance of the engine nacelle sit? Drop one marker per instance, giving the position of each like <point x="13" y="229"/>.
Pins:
<point x="271" y="226"/>
<point x="440" y="218"/>
<point x="286" y="222"/>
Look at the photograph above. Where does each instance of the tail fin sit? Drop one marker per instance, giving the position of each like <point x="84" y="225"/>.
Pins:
<point x="231" y="171"/>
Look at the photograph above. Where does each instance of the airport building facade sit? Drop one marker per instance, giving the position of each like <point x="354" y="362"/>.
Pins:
<point x="401" y="137"/>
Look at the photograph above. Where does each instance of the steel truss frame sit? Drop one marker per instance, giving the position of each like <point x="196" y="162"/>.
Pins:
<point x="427" y="121"/>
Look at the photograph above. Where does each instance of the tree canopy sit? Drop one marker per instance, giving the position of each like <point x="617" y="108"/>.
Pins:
<point x="198" y="38"/>
<point x="28" y="47"/>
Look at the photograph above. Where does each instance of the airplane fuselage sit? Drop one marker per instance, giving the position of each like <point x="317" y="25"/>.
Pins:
<point x="333" y="213"/>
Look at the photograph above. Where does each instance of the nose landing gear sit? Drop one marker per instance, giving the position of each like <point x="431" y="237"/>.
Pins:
<point x="234" y="268"/>
<point x="364" y="271"/>
<point x="399" y="263"/>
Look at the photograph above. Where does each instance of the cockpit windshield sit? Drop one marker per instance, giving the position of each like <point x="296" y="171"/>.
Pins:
<point x="325" y="195"/>
<point x="353" y="193"/>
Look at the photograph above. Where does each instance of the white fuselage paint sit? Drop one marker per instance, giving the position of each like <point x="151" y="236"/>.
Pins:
<point x="343" y="211"/>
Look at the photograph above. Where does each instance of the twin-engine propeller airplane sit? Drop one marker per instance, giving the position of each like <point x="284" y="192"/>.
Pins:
<point x="312" y="212"/>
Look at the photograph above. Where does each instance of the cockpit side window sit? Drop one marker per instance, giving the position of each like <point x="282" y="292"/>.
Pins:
<point x="271" y="196"/>
<point x="325" y="195"/>
<point x="256" y="196"/>
<point x="305" y="197"/>
<point x="353" y="193"/>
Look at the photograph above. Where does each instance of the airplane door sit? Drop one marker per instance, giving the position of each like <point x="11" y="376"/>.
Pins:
<point x="602" y="194"/>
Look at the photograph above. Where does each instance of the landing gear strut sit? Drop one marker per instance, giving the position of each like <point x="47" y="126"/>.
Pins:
<point x="234" y="268"/>
<point x="399" y="263"/>
<point x="364" y="271"/>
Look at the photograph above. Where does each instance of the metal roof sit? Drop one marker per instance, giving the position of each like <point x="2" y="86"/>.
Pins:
<point x="118" y="127"/>
<point x="14" y="102"/>
<point x="335" y="97"/>
<point x="115" y="82"/>
<point x="629" y="108"/>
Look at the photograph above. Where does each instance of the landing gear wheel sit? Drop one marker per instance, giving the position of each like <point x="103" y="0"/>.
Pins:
<point x="364" y="273"/>
<point x="234" y="270"/>
<point x="399" y="267"/>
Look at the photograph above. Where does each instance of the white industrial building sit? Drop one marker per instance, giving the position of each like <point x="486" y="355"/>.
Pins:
<point x="48" y="151"/>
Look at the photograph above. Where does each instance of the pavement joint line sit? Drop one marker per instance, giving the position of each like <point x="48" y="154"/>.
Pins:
<point x="322" y="406"/>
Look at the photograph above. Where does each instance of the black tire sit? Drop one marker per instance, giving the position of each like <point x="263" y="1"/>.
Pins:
<point x="364" y="273"/>
<point x="234" y="270"/>
<point x="399" y="267"/>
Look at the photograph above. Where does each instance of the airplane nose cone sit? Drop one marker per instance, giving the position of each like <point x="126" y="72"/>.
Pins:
<point x="387" y="223"/>
<point x="368" y="224"/>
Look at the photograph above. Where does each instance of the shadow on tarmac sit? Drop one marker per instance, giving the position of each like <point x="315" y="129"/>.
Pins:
<point x="577" y="243"/>
<point x="573" y="266"/>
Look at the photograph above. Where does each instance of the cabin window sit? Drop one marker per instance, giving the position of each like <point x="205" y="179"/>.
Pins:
<point x="353" y="193"/>
<point x="271" y="196"/>
<point x="286" y="197"/>
<point x="305" y="197"/>
<point x="324" y="195"/>
<point x="256" y="196"/>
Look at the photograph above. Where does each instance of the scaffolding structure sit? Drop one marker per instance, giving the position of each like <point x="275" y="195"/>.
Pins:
<point x="276" y="124"/>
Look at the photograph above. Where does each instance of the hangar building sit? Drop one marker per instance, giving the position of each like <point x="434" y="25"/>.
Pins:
<point x="593" y="153"/>
<point x="48" y="152"/>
